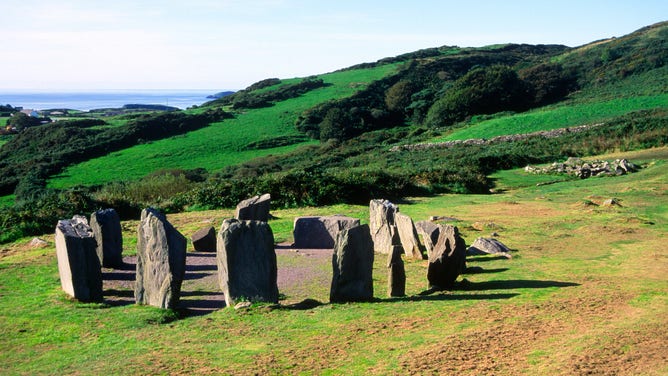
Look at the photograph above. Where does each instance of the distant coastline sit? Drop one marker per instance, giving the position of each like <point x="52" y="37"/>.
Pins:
<point x="86" y="101"/>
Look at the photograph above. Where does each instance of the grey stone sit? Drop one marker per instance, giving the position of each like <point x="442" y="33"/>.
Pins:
<point x="254" y="209"/>
<point x="382" y="225"/>
<point x="247" y="262"/>
<point x="352" y="264"/>
<point x="204" y="240"/>
<point x="489" y="246"/>
<point x="320" y="232"/>
<point x="408" y="236"/>
<point x="38" y="243"/>
<point x="396" y="275"/>
<point x="78" y="264"/>
<point x="429" y="232"/>
<point x="161" y="261"/>
<point x="447" y="260"/>
<point x="106" y="226"/>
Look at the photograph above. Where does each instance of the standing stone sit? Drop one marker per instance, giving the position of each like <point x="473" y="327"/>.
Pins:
<point x="161" y="261"/>
<point x="489" y="246"/>
<point x="382" y="225"/>
<point x="254" y="209"/>
<point x="396" y="276"/>
<point x="352" y="263"/>
<point x="204" y="240"/>
<point x="408" y="236"/>
<point x="78" y="264"/>
<point x="429" y="231"/>
<point x="247" y="262"/>
<point x="320" y="232"/>
<point x="106" y="226"/>
<point x="447" y="260"/>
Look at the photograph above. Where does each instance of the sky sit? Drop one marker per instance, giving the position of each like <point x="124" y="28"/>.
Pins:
<point x="79" y="45"/>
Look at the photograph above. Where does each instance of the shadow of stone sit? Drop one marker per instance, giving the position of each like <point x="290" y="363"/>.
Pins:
<point x="201" y="268"/>
<point x="119" y="298"/>
<point x="208" y="302"/>
<point x="301" y="306"/>
<point x="119" y="276"/>
<point x="191" y="276"/>
<point x="511" y="284"/>
<point x="479" y="270"/>
<point x="430" y="295"/>
<point x="485" y="258"/>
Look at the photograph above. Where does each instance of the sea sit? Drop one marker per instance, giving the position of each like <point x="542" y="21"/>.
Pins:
<point x="86" y="101"/>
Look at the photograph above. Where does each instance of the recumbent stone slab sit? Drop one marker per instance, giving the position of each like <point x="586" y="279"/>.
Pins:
<point x="254" y="209"/>
<point x="320" y="232"/>
<point x="489" y="246"/>
<point x="106" y="225"/>
<point x="204" y="240"/>
<point x="78" y="264"/>
<point x="161" y="261"/>
<point x="246" y="262"/>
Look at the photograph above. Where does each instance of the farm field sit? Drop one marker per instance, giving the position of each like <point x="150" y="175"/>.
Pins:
<point x="585" y="292"/>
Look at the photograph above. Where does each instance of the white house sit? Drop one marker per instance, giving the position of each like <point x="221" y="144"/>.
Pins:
<point x="31" y="113"/>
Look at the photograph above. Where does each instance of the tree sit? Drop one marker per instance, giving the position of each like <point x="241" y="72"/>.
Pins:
<point x="21" y="121"/>
<point x="334" y="125"/>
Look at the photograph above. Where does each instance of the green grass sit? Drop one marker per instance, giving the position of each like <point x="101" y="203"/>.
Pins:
<point x="584" y="283"/>
<point x="558" y="116"/>
<point x="221" y="144"/>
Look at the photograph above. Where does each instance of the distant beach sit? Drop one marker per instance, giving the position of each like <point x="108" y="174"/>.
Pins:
<point x="86" y="101"/>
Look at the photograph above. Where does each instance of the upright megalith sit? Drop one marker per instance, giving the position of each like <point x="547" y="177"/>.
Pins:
<point x="320" y="232"/>
<point x="352" y="263"/>
<point x="204" y="240"/>
<point x="408" y="236"/>
<point x="396" y="273"/>
<point x="447" y="260"/>
<point x="106" y="225"/>
<point x="247" y="262"/>
<point x="382" y="225"/>
<point x="254" y="209"/>
<point x="161" y="261"/>
<point x="78" y="264"/>
<point x="429" y="232"/>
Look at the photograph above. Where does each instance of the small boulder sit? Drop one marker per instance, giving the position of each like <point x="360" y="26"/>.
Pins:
<point x="320" y="232"/>
<point x="246" y="262"/>
<point x="483" y="246"/>
<point x="408" y="236"/>
<point x="447" y="260"/>
<point x="78" y="265"/>
<point x="161" y="261"/>
<point x="254" y="209"/>
<point x="204" y="240"/>
<point x="38" y="243"/>
<point x="106" y="225"/>
<point x="352" y="264"/>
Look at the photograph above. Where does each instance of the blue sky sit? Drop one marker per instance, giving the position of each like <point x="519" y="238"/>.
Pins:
<point x="229" y="44"/>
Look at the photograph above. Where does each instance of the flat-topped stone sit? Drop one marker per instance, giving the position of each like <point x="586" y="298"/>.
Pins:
<point x="320" y="232"/>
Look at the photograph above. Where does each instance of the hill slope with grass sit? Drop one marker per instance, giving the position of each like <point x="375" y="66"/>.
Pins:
<point x="328" y="138"/>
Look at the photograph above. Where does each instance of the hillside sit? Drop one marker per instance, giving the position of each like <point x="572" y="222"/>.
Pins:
<point x="327" y="139"/>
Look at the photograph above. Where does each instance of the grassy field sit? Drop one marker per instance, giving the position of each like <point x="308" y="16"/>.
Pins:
<point x="585" y="293"/>
<point x="221" y="144"/>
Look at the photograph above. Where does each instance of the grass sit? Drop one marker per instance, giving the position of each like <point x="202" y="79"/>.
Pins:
<point x="584" y="292"/>
<point x="221" y="144"/>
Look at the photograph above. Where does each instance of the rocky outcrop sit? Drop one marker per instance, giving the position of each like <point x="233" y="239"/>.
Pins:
<point x="408" y="236"/>
<point x="585" y="169"/>
<point x="106" y="225"/>
<point x="78" y="265"/>
<point x="447" y="260"/>
<point x="490" y="246"/>
<point x="382" y="225"/>
<point x="246" y="262"/>
<point x="320" y="232"/>
<point x="204" y="240"/>
<point x="161" y="261"/>
<point x="254" y="209"/>
<point x="352" y="264"/>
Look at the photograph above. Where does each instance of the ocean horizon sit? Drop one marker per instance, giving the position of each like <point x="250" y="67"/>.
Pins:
<point x="90" y="100"/>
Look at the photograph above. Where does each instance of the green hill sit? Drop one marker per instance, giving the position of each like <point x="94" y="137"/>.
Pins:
<point x="327" y="139"/>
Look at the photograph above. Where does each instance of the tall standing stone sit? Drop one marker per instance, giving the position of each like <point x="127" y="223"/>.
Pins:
<point x="352" y="264"/>
<point x="408" y="236"/>
<point x="78" y="264"/>
<point x="429" y="232"/>
<point x="106" y="226"/>
<point x="447" y="260"/>
<point x="254" y="209"/>
<point x="382" y="225"/>
<point x="320" y="232"/>
<point x="247" y="262"/>
<point x="161" y="261"/>
<point x="396" y="278"/>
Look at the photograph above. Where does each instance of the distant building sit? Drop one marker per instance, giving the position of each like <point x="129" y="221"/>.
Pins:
<point x="31" y="113"/>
